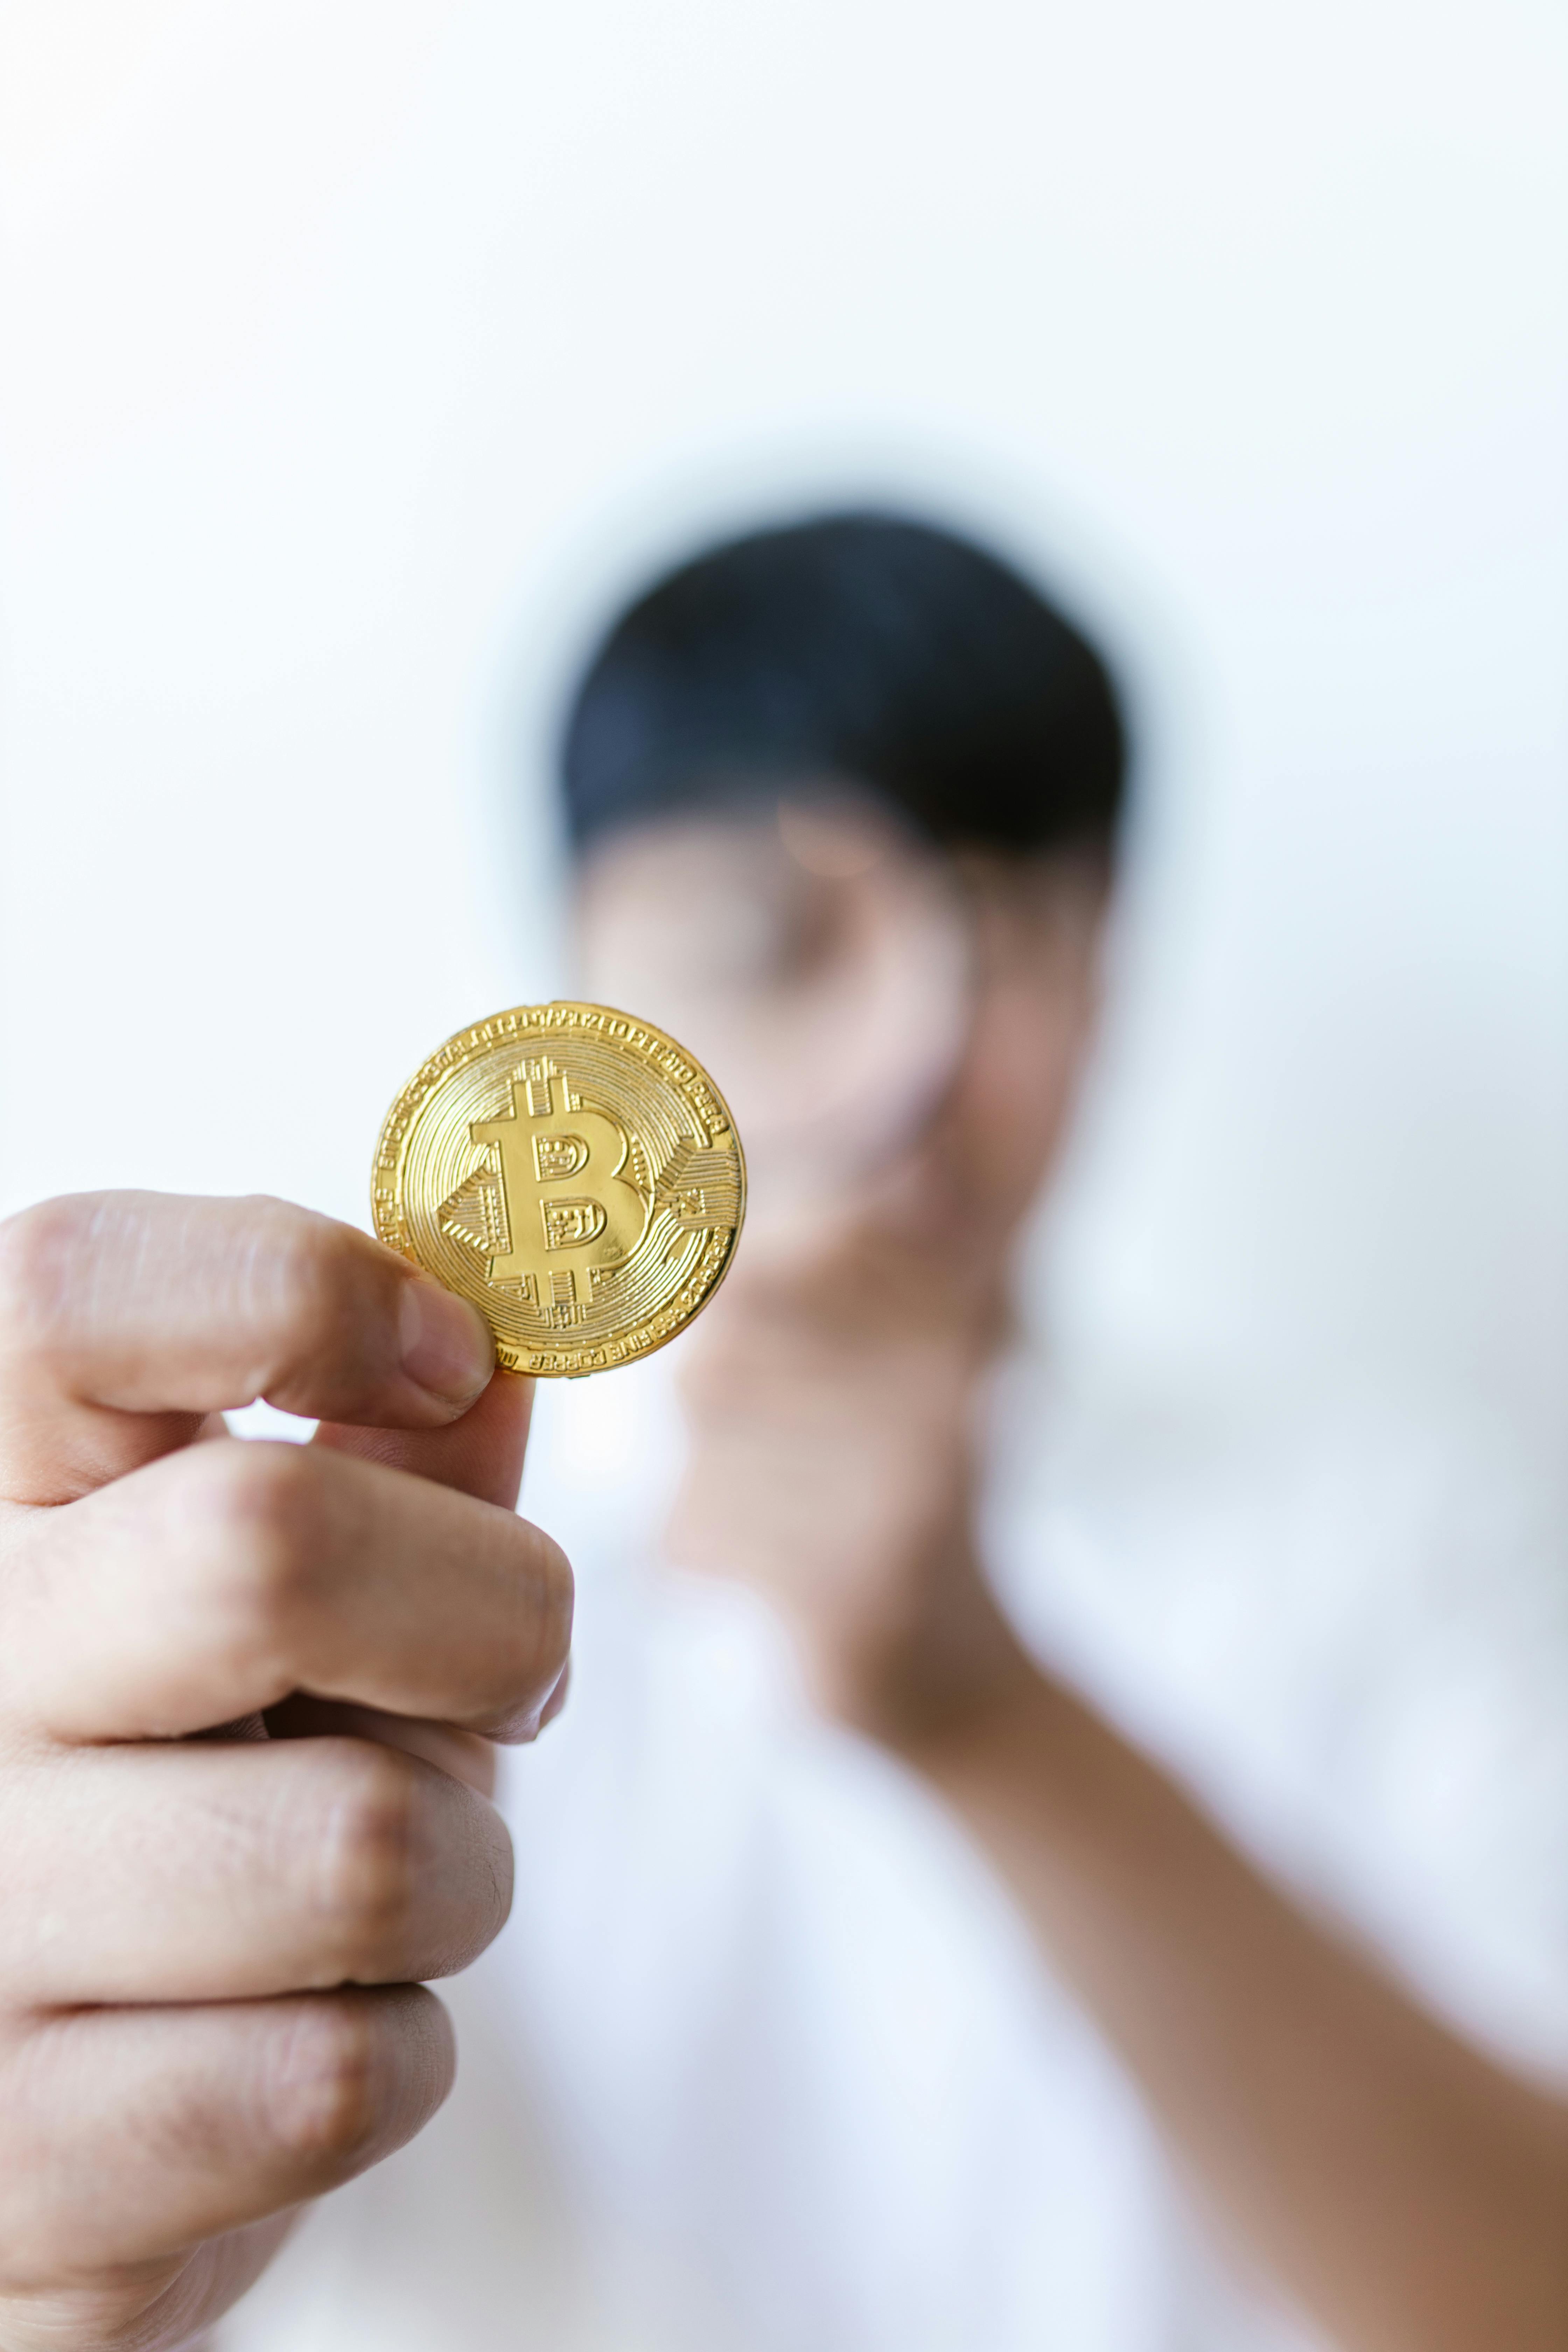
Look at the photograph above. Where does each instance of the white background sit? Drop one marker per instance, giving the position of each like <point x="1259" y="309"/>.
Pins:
<point x="357" y="355"/>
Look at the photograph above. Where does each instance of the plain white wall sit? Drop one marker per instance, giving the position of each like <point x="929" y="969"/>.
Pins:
<point x="355" y="355"/>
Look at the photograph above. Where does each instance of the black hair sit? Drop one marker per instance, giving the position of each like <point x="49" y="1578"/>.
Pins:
<point x="861" y="649"/>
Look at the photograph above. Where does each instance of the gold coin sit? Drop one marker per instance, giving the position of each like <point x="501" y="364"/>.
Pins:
<point x="572" y="1172"/>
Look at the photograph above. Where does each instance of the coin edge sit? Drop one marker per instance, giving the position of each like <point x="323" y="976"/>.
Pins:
<point x="411" y="1097"/>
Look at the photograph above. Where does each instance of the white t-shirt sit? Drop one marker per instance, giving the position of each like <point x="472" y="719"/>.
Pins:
<point x="764" y="2058"/>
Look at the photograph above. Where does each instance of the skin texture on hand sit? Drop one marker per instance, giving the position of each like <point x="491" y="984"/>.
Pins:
<point x="246" y="1696"/>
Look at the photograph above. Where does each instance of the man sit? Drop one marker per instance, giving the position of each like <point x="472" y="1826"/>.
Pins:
<point x="844" y="798"/>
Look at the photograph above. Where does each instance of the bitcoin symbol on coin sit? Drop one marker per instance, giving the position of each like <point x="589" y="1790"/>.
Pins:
<point x="541" y="1145"/>
<point x="572" y="1172"/>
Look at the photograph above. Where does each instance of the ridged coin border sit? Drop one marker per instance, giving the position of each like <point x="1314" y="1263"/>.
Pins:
<point x="523" y="1022"/>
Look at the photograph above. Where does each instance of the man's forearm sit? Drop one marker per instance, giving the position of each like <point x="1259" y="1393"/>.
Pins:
<point x="1408" y="2194"/>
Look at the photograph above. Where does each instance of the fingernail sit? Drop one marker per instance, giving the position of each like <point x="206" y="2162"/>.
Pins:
<point x="446" y="1346"/>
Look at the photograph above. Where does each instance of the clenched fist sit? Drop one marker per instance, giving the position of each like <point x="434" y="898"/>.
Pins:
<point x="246" y="1697"/>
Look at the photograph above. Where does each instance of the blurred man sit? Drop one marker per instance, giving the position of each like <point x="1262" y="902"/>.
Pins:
<point x="844" y="800"/>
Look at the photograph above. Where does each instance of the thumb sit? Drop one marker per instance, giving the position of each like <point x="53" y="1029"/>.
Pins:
<point x="481" y="1455"/>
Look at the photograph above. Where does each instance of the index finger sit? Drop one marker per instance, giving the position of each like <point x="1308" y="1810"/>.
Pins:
<point x="207" y="1588"/>
<point x="127" y="1317"/>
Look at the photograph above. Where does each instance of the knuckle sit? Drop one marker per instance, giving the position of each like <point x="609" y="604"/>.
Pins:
<point x="254" y="1521"/>
<point x="41" y="1256"/>
<point x="311" y="1289"/>
<point x="292" y="1270"/>
<point x="327" y="2088"/>
<point x="262" y="1487"/>
<point x="261" y="1506"/>
<point x="368" y="1866"/>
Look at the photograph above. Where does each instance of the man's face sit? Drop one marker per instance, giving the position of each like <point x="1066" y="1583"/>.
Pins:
<point x="843" y="982"/>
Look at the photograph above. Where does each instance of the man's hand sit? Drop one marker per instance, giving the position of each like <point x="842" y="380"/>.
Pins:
<point x="834" y="1386"/>
<point x="211" y="1948"/>
<point x="831" y="1395"/>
